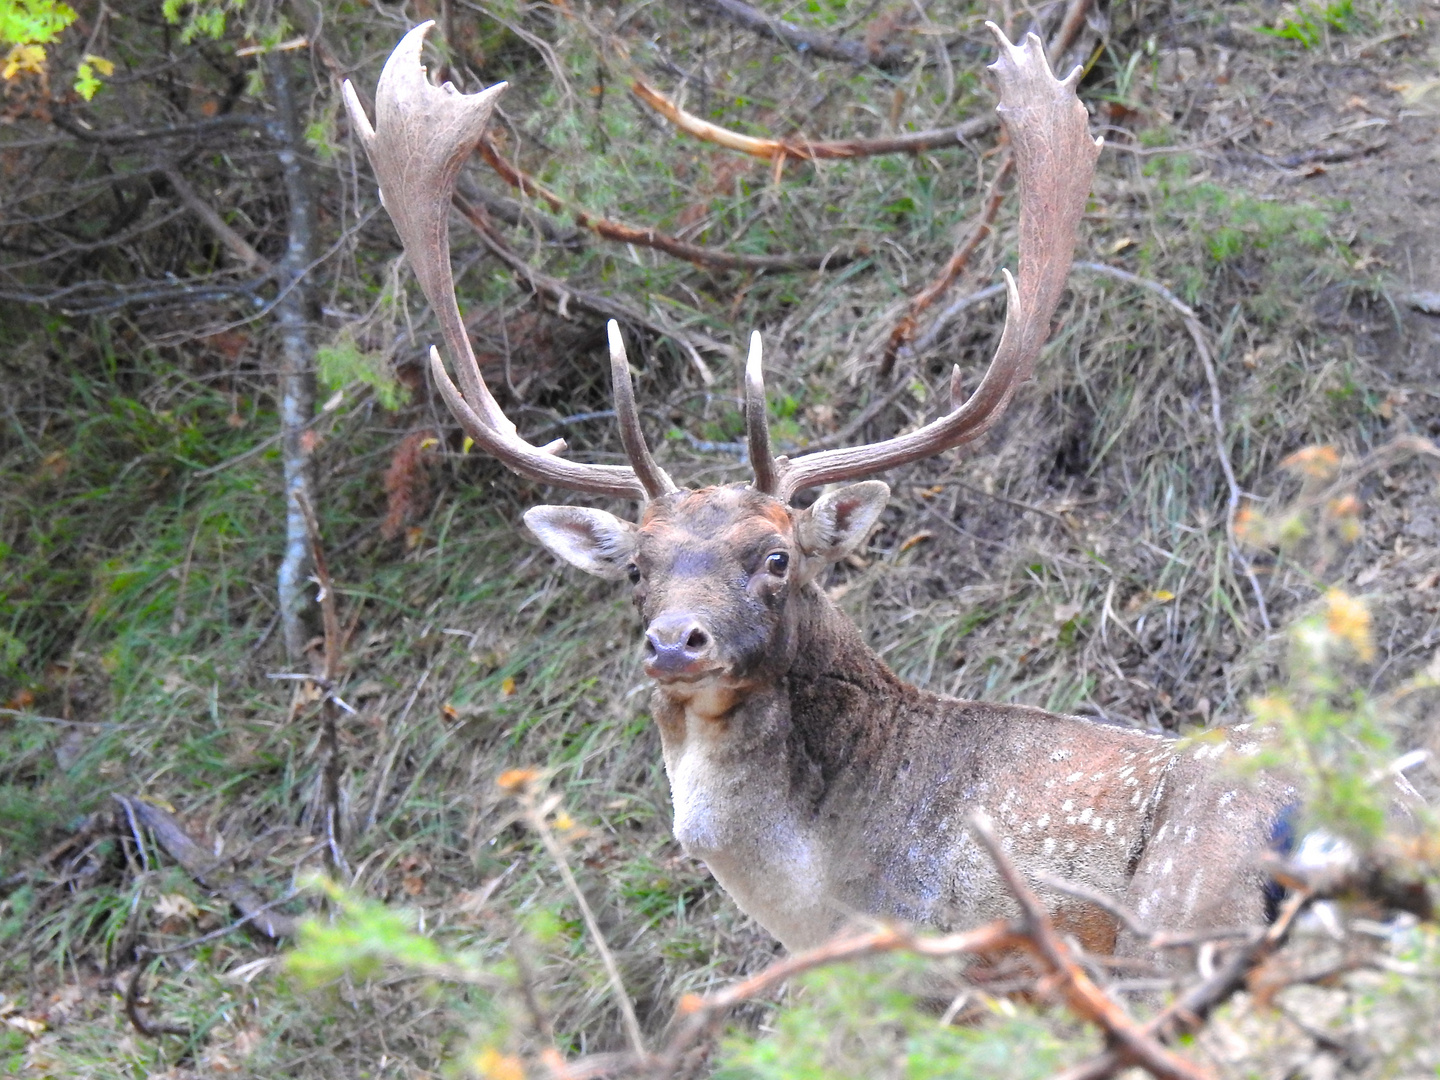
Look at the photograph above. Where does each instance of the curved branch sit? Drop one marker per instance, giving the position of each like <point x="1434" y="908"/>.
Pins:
<point x="713" y="258"/>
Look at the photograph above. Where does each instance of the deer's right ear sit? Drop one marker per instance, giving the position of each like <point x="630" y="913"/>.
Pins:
<point x="596" y="542"/>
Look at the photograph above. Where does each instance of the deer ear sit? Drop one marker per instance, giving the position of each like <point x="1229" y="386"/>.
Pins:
<point x="596" y="542"/>
<point x="839" y="521"/>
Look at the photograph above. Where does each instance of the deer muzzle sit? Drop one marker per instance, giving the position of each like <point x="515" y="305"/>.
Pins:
<point x="678" y="647"/>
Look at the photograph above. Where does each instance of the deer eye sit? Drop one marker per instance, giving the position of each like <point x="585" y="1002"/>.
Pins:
<point x="777" y="563"/>
<point x="634" y="572"/>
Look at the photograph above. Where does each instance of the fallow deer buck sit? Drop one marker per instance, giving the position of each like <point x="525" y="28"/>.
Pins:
<point x="814" y="783"/>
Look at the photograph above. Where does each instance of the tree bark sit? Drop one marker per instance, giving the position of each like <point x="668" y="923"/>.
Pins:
<point x="297" y="371"/>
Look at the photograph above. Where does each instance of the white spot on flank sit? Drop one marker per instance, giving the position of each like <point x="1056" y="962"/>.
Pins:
<point x="1086" y="814"/>
<point x="1227" y="798"/>
<point x="1190" y="835"/>
<point x="1110" y="827"/>
<point x="1132" y="781"/>
<point x="1071" y="845"/>
<point x="1049" y="845"/>
<point x="1135" y="799"/>
<point x="1061" y="754"/>
<point x="1044" y="821"/>
<point x="1098" y="776"/>
<point x="1074" y="776"/>
<point x="1169" y="865"/>
<point x="1069" y="805"/>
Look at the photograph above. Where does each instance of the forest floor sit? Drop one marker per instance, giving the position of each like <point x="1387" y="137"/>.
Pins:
<point x="1076" y="560"/>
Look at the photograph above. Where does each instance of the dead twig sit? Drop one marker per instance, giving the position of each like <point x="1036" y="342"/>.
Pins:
<point x="620" y="233"/>
<point x="562" y="294"/>
<point x="699" y="1016"/>
<point x="238" y="245"/>
<point x="1132" y="1043"/>
<point x="810" y="42"/>
<point x="913" y="142"/>
<point x="904" y="330"/>
<point x="959" y="259"/>
<point x="143" y="1024"/>
<point x="535" y="810"/>
<point x="203" y="867"/>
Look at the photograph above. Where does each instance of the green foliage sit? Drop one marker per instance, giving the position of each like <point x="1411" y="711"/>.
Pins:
<point x="365" y="938"/>
<point x="1307" y="25"/>
<point x="200" y="18"/>
<point x="863" y="1021"/>
<point x="1326" y="733"/>
<point x="343" y="362"/>
<point x="33" y="22"/>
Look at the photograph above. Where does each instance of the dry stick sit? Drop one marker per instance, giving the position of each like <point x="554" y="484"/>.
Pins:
<point x="238" y="245"/>
<point x="959" y="259"/>
<point x="803" y="149"/>
<point x="536" y="816"/>
<point x="562" y="294"/>
<point x="1190" y="1010"/>
<point x="138" y="1019"/>
<point x="806" y="41"/>
<point x="701" y="1014"/>
<point x="204" y="867"/>
<point x="711" y="258"/>
<point x="905" y="330"/>
<point x="1135" y="1045"/>
<point x="1202" y="348"/>
<point x="335" y="859"/>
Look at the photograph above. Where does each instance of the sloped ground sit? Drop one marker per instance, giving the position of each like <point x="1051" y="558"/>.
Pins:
<point x="1075" y="560"/>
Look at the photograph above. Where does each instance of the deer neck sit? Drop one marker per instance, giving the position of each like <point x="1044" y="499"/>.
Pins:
<point x="751" y="762"/>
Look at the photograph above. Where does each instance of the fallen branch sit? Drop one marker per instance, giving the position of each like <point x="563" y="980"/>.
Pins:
<point x="904" y="331"/>
<point x="806" y="41"/>
<point x="913" y="142"/>
<point x="959" y="259"/>
<point x="204" y="868"/>
<point x="620" y="233"/>
<point x="138" y="1020"/>
<point x="562" y="294"/>
<point x="238" y="245"/>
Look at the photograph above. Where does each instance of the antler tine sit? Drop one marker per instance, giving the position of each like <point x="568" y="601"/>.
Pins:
<point x="422" y="136"/>
<point x="1055" y="157"/>
<point x="654" y="479"/>
<point x="757" y="422"/>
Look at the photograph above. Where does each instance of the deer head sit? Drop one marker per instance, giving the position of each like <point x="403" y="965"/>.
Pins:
<point x="715" y="570"/>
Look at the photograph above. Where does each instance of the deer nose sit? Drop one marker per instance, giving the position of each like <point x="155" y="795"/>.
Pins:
<point x="675" y="645"/>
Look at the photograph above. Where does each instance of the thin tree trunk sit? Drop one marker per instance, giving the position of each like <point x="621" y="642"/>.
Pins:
<point x="297" y="372"/>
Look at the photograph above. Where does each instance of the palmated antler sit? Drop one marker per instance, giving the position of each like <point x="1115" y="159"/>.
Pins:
<point x="1055" y="156"/>
<point x="422" y="136"/>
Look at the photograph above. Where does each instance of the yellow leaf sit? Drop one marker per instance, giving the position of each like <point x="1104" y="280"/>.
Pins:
<point x="23" y="60"/>
<point x="100" y="64"/>
<point x="564" y="822"/>
<point x="493" y="1065"/>
<point x="466" y="445"/>
<point x="176" y="904"/>
<point x="1162" y="596"/>
<point x="1349" y="619"/>
<point x="514" y="779"/>
<point x="507" y="686"/>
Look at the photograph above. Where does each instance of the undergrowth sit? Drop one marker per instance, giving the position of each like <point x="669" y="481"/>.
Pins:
<point x="1076" y="560"/>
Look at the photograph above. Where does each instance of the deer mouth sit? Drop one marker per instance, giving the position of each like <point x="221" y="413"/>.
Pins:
<point x="698" y="672"/>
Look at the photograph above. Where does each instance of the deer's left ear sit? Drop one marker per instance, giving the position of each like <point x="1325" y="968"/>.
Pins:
<point x="839" y="521"/>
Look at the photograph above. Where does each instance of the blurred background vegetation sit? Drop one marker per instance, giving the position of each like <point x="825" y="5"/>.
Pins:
<point x="1271" y="168"/>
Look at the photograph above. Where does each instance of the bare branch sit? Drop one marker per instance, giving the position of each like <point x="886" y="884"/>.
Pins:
<point x="238" y="245"/>
<point x="620" y="233"/>
<point x="809" y="42"/>
<point x="803" y="149"/>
